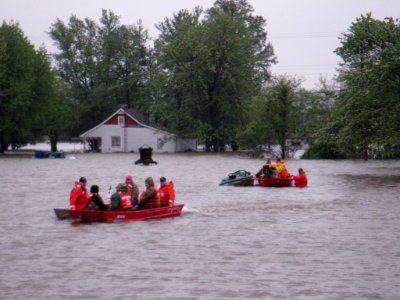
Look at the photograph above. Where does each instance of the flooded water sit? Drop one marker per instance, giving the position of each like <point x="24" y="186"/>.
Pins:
<point x="337" y="239"/>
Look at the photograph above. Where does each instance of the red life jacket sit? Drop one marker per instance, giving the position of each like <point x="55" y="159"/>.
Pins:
<point x="301" y="180"/>
<point x="130" y="188"/>
<point x="166" y="193"/>
<point x="79" y="197"/>
<point x="284" y="173"/>
<point x="125" y="202"/>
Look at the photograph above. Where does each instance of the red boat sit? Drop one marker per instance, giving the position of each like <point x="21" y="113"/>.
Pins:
<point x="134" y="215"/>
<point x="274" y="182"/>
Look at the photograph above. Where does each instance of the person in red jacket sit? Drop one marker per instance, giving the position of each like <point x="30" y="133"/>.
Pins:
<point x="301" y="179"/>
<point x="79" y="197"/>
<point x="166" y="192"/>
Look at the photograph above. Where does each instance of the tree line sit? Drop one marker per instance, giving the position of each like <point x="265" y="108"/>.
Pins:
<point x="206" y="76"/>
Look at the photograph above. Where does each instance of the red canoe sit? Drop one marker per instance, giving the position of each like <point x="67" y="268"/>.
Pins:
<point x="134" y="215"/>
<point x="274" y="182"/>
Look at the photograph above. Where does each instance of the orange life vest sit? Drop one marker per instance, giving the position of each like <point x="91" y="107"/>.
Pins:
<point x="126" y="201"/>
<point x="166" y="193"/>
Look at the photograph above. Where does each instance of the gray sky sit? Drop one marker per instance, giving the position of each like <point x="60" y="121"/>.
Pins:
<point x="304" y="33"/>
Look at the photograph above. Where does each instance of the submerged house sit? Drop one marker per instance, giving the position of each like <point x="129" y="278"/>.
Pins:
<point x="127" y="130"/>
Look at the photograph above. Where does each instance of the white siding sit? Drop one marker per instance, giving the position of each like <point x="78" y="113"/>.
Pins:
<point x="136" y="137"/>
<point x="184" y="145"/>
<point x="139" y="136"/>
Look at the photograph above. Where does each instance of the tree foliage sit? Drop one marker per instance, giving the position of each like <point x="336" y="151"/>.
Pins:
<point x="103" y="65"/>
<point x="277" y="116"/>
<point x="26" y="88"/>
<point x="213" y="67"/>
<point x="207" y="77"/>
<point x="367" y="110"/>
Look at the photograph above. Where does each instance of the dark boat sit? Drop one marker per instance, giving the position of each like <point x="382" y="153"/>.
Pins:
<point x="48" y="154"/>
<point x="238" y="178"/>
<point x="114" y="216"/>
<point x="62" y="213"/>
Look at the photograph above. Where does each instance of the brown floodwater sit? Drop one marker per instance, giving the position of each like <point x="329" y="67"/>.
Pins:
<point x="339" y="238"/>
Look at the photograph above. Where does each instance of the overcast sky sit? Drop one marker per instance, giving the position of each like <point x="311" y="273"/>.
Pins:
<point x="304" y="33"/>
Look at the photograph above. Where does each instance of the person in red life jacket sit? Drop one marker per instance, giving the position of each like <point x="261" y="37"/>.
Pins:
<point x="132" y="189"/>
<point x="301" y="179"/>
<point x="166" y="192"/>
<point x="79" y="197"/>
<point x="285" y="174"/>
<point x="149" y="198"/>
<point x="121" y="199"/>
<point x="96" y="202"/>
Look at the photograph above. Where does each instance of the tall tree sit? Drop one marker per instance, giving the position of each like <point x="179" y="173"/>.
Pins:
<point x="103" y="65"/>
<point x="25" y="80"/>
<point x="277" y="115"/>
<point x="362" y="108"/>
<point x="214" y="66"/>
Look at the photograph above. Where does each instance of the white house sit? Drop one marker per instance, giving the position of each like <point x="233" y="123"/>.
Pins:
<point x="127" y="130"/>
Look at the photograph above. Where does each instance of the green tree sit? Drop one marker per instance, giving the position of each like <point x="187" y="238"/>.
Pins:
<point x="213" y="68"/>
<point x="366" y="102"/>
<point x="103" y="66"/>
<point x="277" y="115"/>
<point x="25" y="80"/>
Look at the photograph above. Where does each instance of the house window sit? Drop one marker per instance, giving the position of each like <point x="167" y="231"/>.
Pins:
<point x="116" y="141"/>
<point x="121" y="120"/>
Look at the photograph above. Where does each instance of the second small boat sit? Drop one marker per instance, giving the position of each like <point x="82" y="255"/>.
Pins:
<point x="238" y="178"/>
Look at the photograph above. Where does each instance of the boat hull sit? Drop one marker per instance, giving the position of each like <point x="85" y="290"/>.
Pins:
<point x="248" y="181"/>
<point x="118" y="216"/>
<point x="274" y="182"/>
<point x="62" y="213"/>
<point x="238" y="178"/>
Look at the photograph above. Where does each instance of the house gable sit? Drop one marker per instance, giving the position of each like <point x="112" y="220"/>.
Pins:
<point x="125" y="121"/>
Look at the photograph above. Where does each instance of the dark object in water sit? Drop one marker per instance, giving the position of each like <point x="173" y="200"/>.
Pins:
<point x="48" y="154"/>
<point x="145" y="156"/>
